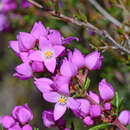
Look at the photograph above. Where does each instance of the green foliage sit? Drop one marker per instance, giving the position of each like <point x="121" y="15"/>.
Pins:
<point x="100" y="127"/>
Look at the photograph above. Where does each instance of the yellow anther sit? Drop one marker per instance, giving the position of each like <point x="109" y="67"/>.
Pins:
<point x="48" y="53"/>
<point x="62" y="100"/>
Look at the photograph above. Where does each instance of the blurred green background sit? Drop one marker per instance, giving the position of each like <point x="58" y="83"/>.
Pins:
<point x="115" y="68"/>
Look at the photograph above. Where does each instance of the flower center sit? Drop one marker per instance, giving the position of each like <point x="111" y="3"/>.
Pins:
<point x="48" y="54"/>
<point x="63" y="100"/>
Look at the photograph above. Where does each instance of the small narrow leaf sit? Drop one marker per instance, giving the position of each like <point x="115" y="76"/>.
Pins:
<point x="87" y="83"/>
<point x="99" y="127"/>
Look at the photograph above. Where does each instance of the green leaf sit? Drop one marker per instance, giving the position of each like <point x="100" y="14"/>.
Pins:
<point x="87" y="83"/>
<point x="99" y="127"/>
<point x="117" y="102"/>
<point x="36" y="128"/>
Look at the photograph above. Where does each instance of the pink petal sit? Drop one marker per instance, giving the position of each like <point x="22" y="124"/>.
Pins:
<point x="72" y="103"/>
<point x="58" y="50"/>
<point x="51" y="96"/>
<point x="36" y="56"/>
<point x="44" y="43"/>
<point x="59" y="110"/>
<point x="50" y="65"/>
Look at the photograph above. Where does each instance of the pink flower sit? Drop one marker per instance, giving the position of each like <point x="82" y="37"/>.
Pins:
<point x="93" y="61"/>
<point x="43" y="84"/>
<point x="95" y="111"/>
<point x="68" y="69"/>
<point x="88" y="121"/>
<point x="47" y="54"/>
<point x="83" y="109"/>
<point x="38" y="30"/>
<point x="23" y="114"/>
<point x="94" y="96"/>
<point x="25" y="41"/>
<point x="106" y="90"/>
<point x="124" y="117"/>
<point x="61" y="84"/>
<point x="25" y="4"/>
<point x="7" y="121"/>
<point x="69" y="39"/>
<point x="107" y="106"/>
<point x="62" y="103"/>
<point x="24" y="71"/>
<point x="77" y="58"/>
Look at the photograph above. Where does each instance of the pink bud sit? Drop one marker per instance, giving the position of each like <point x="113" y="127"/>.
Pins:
<point x="107" y="106"/>
<point x="124" y="117"/>
<point x="37" y="66"/>
<point x="88" y="121"/>
<point x="93" y="61"/>
<point x="106" y="90"/>
<point x="95" y="111"/>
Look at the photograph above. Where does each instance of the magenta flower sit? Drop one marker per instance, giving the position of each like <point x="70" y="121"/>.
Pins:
<point x="68" y="69"/>
<point x="106" y="90"/>
<point x="54" y="37"/>
<point x="16" y="127"/>
<point x="47" y="54"/>
<point x="77" y="58"/>
<point x="93" y="61"/>
<point x="124" y="117"/>
<point x="83" y="109"/>
<point x="38" y="30"/>
<point x="3" y="22"/>
<point x="61" y="84"/>
<point x="7" y="121"/>
<point x="43" y="84"/>
<point x="23" y="114"/>
<point x="62" y="103"/>
<point x="24" y="71"/>
<point x="25" y="41"/>
<point x="48" y="118"/>
<point x="94" y="96"/>
<point x="107" y="106"/>
<point x="88" y="121"/>
<point x="95" y="110"/>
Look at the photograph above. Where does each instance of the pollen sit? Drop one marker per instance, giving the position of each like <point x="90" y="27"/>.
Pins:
<point x="62" y="100"/>
<point x="48" y="53"/>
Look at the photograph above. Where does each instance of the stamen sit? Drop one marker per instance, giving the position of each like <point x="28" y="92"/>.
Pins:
<point x="48" y="54"/>
<point x="63" y="100"/>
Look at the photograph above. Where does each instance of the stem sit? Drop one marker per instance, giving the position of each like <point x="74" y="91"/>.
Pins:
<point x="87" y="25"/>
<point x="107" y="15"/>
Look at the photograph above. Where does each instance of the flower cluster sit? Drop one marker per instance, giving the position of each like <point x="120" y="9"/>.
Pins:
<point x="21" y="116"/>
<point x="44" y="50"/>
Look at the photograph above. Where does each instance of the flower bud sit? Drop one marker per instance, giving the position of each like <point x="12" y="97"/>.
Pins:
<point x="7" y="121"/>
<point x="23" y="114"/>
<point x="95" y="111"/>
<point x="106" y="90"/>
<point x="124" y="117"/>
<point x="107" y="106"/>
<point x="93" y="61"/>
<point x="48" y="118"/>
<point x="88" y="121"/>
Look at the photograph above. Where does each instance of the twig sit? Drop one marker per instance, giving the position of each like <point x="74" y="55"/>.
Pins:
<point x="107" y="15"/>
<point x="86" y="25"/>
